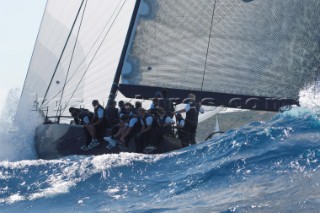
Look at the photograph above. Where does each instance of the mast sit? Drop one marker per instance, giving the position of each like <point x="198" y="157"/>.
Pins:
<point x="114" y="87"/>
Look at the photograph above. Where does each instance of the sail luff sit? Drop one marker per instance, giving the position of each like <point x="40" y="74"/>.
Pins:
<point x="32" y="55"/>
<point x="102" y="17"/>
<point x="114" y="87"/>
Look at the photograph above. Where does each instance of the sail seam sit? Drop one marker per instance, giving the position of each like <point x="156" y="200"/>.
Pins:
<point x="72" y="55"/>
<point x="210" y="34"/>
<point x="64" y="48"/>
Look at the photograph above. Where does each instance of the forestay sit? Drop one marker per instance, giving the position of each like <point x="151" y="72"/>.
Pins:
<point x="76" y="54"/>
<point x="253" y="54"/>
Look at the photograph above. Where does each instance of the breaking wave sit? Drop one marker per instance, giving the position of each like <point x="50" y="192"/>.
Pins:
<point x="268" y="166"/>
<point x="17" y="129"/>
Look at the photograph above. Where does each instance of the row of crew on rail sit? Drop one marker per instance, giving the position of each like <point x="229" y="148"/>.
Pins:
<point x="146" y="127"/>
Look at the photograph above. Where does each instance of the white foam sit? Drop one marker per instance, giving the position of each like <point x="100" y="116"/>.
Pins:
<point x="17" y="131"/>
<point x="56" y="187"/>
<point x="64" y="174"/>
<point x="310" y="98"/>
<point x="15" y="198"/>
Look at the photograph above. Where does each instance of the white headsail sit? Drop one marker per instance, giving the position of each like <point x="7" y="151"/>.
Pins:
<point x="76" y="53"/>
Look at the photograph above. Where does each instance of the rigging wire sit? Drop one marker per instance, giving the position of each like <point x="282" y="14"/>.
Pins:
<point x="187" y="35"/>
<point x="210" y="34"/>
<point x="205" y="66"/>
<point x="63" y="50"/>
<point x="81" y="63"/>
<point x="94" y="56"/>
<point x="90" y="19"/>
<point x="72" y="54"/>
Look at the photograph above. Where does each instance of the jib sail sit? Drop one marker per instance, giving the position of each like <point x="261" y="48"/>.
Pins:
<point x="76" y="54"/>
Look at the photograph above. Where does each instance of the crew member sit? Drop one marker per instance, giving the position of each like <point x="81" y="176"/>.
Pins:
<point x="112" y="117"/>
<point x="132" y="130"/>
<point x="122" y="108"/>
<point x="192" y="110"/>
<point x="81" y="116"/>
<point x="96" y="127"/>
<point x="123" y="125"/>
<point x="137" y="106"/>
<point x="164" y="121"/>
<point x="146" y="135"/>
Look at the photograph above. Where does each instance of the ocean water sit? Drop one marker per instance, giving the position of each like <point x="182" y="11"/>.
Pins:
<point x="271" y="166"/>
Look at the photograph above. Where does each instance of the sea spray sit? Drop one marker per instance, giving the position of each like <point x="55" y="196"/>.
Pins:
<point x="6" y="125"/>
<point x="310" y="97"/>
<point x="17" y="129"/>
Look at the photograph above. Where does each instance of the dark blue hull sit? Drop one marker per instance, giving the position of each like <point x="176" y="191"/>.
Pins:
<point x="59" y="140"/>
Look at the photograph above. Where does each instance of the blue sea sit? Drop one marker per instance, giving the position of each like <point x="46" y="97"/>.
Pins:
<point x="270" y="166"/>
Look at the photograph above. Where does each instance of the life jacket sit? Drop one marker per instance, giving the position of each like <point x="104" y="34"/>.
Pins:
<point x="112" y="116"/>
<point x="144" y="120"/>
<point x="162" y="121"/>
<point x="79" y="114"/>
<point x="75" y="114"/>
<point x="122" y="111"/>
<point x="192" y="114"/>
<point x="85" y="113"/>
<point x="96" y="117"/>
<point x="137" y="127"/>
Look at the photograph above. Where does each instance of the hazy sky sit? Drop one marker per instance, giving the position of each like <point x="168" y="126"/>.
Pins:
<point x="19" y="24"/>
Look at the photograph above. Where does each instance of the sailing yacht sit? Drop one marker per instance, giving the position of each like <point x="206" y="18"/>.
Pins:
<point x="255" y="55"/>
